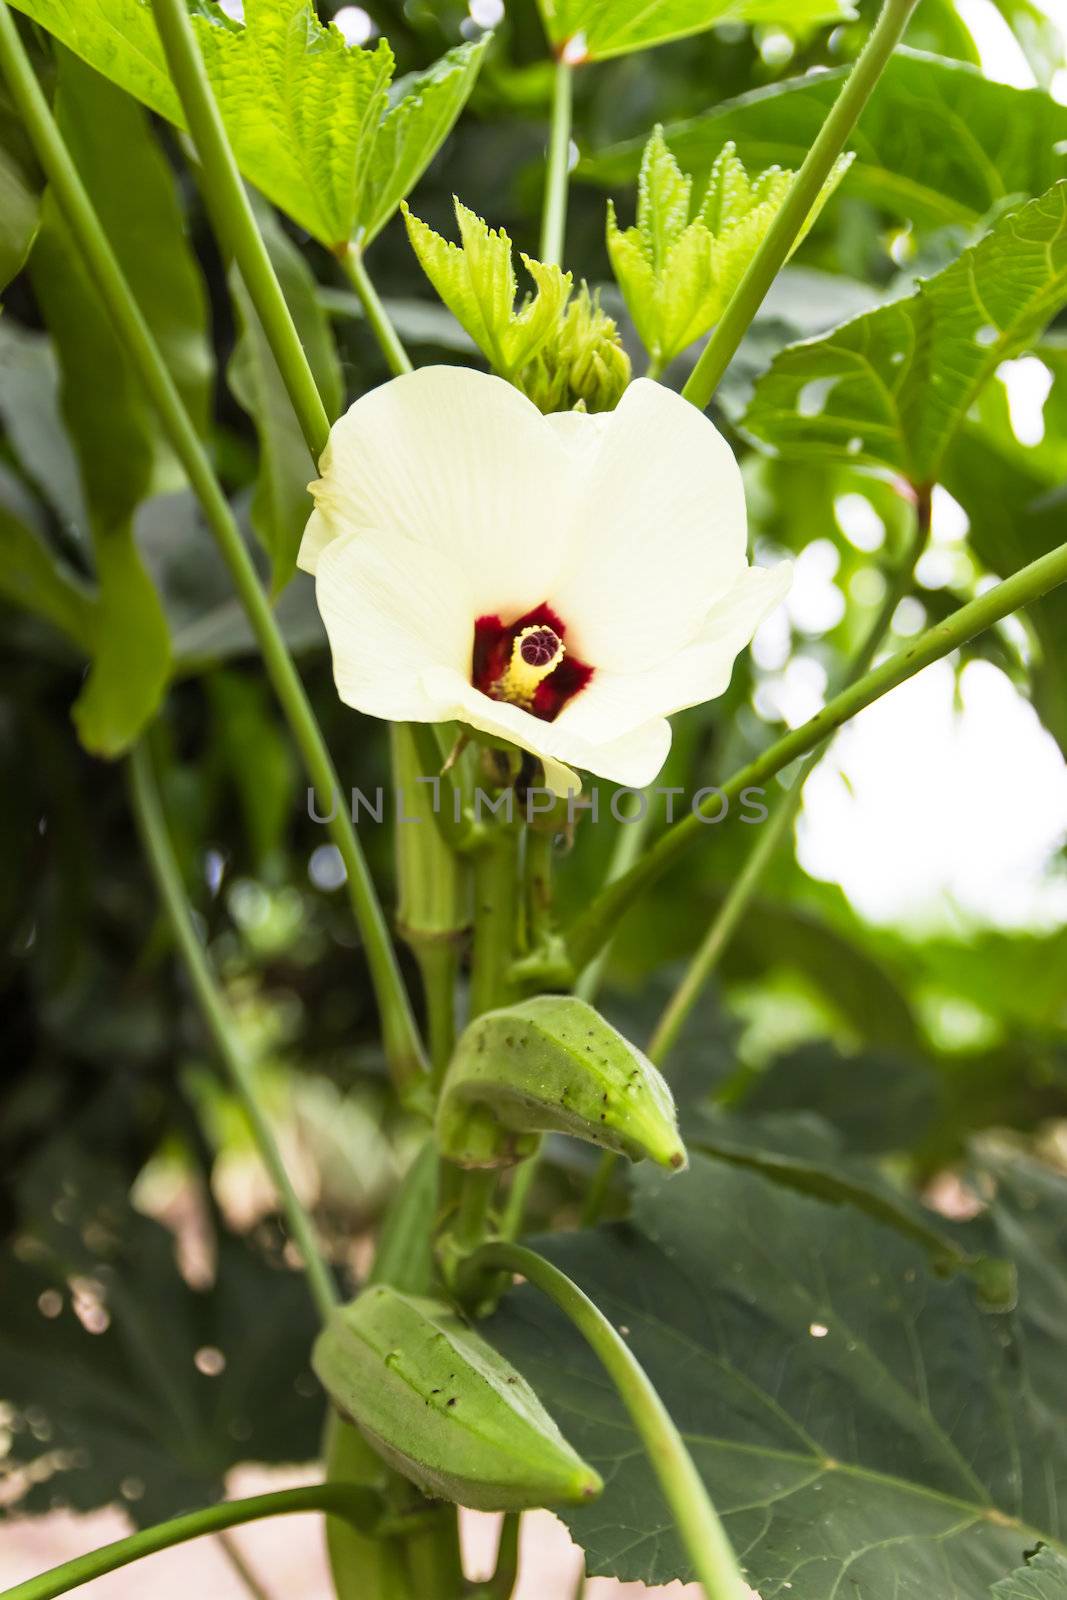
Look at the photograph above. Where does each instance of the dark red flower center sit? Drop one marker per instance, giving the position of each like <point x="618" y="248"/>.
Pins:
<point x="526" y="662"/>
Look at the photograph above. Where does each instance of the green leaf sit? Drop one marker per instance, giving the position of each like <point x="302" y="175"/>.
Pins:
<point x="863" y="1427"/>
<point x="1042" y="1577"/>
<point x="31" y="577"/>
<point x="113" y="1404"/>
<point x="20" y="194"/>
<point x="590" y="30"/>
<point x="121" y="455"/>
<point x="423" y="111"/>
<point x="937" y="143"/>
<point x="282" y="505"/>
<point x="476" y="281"/>
<point x="1016" y="514"/>
<point x="307" y="114"/>
<point x="677" y="274"/>
<point x="804" y="1152"/>
<point x="891" y="388"/>
<point x="129" y="645"/>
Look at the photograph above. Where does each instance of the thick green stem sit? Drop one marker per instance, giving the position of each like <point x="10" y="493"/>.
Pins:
<point x="695" y="1517"/>
<point x="496" y="910"/>
<point x="232" y="219"/>
<point x="358" y="1507"/>
<point x="599" y="920"/>
<point x="803" y="193"/>
<point x="506" y="1572"/>
<point x="152" y="826"/>
<point x="351" y="259"/>
<point x="432" y="884"/>
<point x="402" y="1044"/>
<point x="554" y="216"/>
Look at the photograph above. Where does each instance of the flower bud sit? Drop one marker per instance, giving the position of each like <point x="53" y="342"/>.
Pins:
<point x="444" y="1408"/>
<point x="583" y="364"/>
<point x="552" y="1064"/>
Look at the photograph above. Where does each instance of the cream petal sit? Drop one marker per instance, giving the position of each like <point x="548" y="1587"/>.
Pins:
<point x="392" y="609"/>
<point x="460" y="463"/>
<point x="317" y="535"/>
<point x="658" y="532"/>
<point x="613" y="703"/>
<point x="633" y="760"/>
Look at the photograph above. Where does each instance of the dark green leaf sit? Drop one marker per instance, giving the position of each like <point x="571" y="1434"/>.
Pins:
<point x="936" y="143"/>
<point x="877" y="1100"/>
<point x="591" y="30"/>
<point x="862" y="1425"/>
<point x="117" y="1407"/>
<point x="282" y="504"/>
<point x="892" y="387"/>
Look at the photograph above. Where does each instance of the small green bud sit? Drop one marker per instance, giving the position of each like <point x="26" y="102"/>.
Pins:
<point x="552" y="1065"/>
<point x="583" y="365"/>
<point x="444" y="1408"/>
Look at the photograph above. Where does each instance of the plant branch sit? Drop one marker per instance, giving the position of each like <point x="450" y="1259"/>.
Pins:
<point x="1030" y="583"/>
<point x="233" y="220"/>
<point x="152" y="826"/>
<point x="402" y="1044"/>
<point x="358" y="1506"/>
<point x="740" y="893"/>
<point x="231" y="1550"/>
<point x="351" y="258"/>
<point x="554" y="218"/>
<point x="803" y="193"/>
<point x="697" y="1521"/>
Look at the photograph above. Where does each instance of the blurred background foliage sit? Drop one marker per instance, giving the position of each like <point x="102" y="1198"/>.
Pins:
<point x="909" y="1041"/>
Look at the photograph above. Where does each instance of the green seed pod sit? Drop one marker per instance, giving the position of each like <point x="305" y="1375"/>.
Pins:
<point x="552" y="1065"/>
<point x="442" y="1407"/>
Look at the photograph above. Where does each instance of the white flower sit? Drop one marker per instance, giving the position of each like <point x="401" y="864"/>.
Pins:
<point x="564" y="582"/>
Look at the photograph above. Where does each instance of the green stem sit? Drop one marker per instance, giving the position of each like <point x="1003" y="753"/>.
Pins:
<point x="232" y="218"/>
<point x="506" y="1572"/>
<point x="359" y="1507"/>
<point x="554" y="218"/>
<point x="351" y="258"/>
<point x="803" y="193"/>
<point x="599" y="920"/>
<point x="451" y="814"/>
<point x="402" y="1044"/>
<point x="695" y="1517"/>
<point x="155" y="838"/>
<point x="629" y="842"/>
<point x="496" y="909"/>
<point x="726" y="921"/>
<point x="725" y="924"/>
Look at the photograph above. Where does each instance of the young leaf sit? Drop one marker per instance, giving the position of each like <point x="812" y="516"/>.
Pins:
<point x="677" y="274"/>
<point x="129" y="645"/>
<point x="282" y="505"/>
<point x="937" y="143"/>
<point x="861" y="1423"/>
<point x="476" y="281"/>
<point x="308" y="115"/>
<point x="892" y="387"/>
<point x="590" y="30"/>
